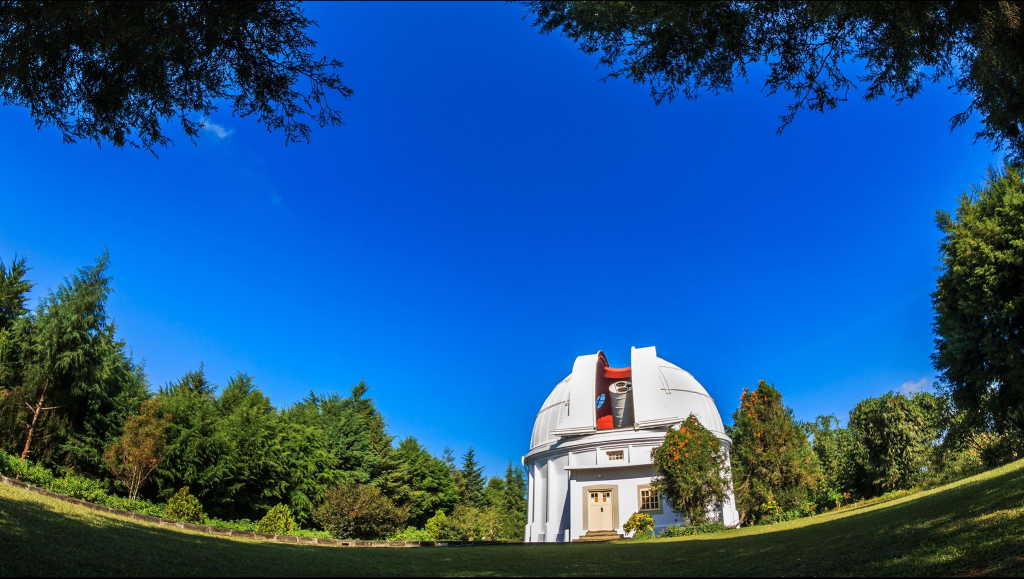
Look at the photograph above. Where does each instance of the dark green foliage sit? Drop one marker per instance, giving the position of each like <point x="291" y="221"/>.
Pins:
<point x="75" y="382"/>
<point x="14" y="289"/>
<point x="14" y="328"/>
<point x="357" y="511"/>
<point x="895" y="438"/>
<point x="686" y="48"/>
<point x="182" y="506"/>
<point x="513" y="505"/>
<point x="199" y="453"/>
<point x="426" y="483"/>
<point x="690" y="466"/>
<point x="773" y="466"/>
<point x="116" y="71"/>
<point x="979" y="308"/>
<point x="471" y="481"/>
<point x="255" y="431"/>
<point x="277" y="521"/>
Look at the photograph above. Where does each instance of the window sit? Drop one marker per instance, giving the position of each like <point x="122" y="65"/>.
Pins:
<point x="616" y="455"/>
<point x="600" y="400"/>
<point x="650" y="500"/>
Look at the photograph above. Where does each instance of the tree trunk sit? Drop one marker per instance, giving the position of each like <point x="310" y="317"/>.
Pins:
<point x="35" y="417"/>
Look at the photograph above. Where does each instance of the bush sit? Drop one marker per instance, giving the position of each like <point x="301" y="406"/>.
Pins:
<point x="640" y="524"/>
<point x="278" y="521"/>
<point x="411" y="534"/>
<point x="355" y="511"/>
<point x="672" y="531"/>
<point x="705" y="528"/>
<point x="464" y="524"/>
<point x="80" y="487"/>
<point x="25" y="471"/>
<point x="184" y="507"/>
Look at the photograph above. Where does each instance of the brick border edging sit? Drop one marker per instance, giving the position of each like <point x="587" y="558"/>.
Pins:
<point x="291" y="539"/>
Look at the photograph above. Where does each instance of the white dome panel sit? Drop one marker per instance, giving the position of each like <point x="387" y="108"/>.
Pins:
<point x="663" y="395"/>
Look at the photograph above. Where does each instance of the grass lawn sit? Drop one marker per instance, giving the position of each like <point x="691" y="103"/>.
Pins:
<point x="972" y="527"/>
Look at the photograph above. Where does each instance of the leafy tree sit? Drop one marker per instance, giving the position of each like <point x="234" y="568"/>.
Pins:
<point x="116" y="71"/>
<point x="140" y="449"/>
<point x="356" y="511"/>
<point x="471" y="479"/>
<point x="835" y="450"/>
<point x="691" y="470"/>
<point x="773" y="466"/>
<point x="685" y="48"/>
<point x="895" y="439"/>
<point x="979" y="306"/>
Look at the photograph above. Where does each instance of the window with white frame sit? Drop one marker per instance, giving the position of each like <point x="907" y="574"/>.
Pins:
<point x="616" y="455"/>
<point x="650" y="500"/>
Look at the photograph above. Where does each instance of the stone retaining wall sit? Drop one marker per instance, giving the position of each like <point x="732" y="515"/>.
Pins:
<point x="248" y="534"/>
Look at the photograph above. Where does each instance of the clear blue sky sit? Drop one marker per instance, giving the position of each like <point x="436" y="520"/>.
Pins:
<point x="489" y="212"/>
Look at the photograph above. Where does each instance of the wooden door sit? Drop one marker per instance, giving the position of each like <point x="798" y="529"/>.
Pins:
<point x="600" y="511"/>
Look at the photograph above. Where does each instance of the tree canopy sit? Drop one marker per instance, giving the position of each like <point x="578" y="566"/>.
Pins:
<point x="979" y="303"/>
<point x="115" y="72"/>
<point x="810" y="49"/>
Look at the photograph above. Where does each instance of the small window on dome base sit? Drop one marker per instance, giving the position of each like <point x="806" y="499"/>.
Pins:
<point x="616" y="455"/>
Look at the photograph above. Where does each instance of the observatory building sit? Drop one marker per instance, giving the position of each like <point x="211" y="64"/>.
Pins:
<point x="589" y="463"/>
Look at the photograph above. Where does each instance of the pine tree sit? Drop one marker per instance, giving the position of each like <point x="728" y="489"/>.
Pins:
<point x="472" y="479"/>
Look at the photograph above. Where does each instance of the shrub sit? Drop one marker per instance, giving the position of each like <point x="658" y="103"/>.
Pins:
<point x="672" y="531"/>
<point x="355" y="511"/>
<point x="704" y="528"/>
<point x="411" y="534"/>
<point x="24" y="470"/>
<point x="80" y="487"/>
<point x="184" y="507"/>
<point x="278" y="521"/>
<point x="464" y="524"/>
<point x="640" y="524"/>
<point x="440" y="528"/>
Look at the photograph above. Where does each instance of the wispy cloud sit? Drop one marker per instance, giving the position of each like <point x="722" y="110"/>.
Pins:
<point x="220" y="131"/>
<point x="911" y="387"/>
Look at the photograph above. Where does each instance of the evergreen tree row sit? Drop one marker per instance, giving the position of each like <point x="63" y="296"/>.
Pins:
<point x="73" y="399"/>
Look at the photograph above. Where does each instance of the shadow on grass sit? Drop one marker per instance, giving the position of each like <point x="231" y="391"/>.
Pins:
<point x="972" y="528"/>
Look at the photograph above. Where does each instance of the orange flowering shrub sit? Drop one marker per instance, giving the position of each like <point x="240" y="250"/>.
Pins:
<point x="691" y="470"/>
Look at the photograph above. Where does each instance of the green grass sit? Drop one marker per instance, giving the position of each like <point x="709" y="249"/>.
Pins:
<point x="971" y="527"/>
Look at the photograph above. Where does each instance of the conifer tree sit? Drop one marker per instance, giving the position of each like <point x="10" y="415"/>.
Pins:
<point x="774" y="468"/>
<point x="472" y="479"/>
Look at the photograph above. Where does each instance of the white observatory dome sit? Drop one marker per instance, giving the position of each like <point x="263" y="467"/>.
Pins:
<point x="662" y="395"/>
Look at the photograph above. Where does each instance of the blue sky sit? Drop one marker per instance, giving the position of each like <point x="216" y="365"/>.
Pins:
<point x="489" y="212"/>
